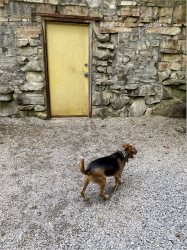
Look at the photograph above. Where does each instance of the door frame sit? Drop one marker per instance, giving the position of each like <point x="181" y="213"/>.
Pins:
<point x="62" y="20"/>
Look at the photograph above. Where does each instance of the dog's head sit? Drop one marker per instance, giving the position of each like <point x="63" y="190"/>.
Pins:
<point x="130" y="149"/>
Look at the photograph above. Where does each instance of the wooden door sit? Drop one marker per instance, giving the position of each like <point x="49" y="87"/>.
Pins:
<point x="68" y="58"/>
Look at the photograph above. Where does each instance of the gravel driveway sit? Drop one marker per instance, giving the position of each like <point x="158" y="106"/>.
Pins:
<point x="40" y="207"/>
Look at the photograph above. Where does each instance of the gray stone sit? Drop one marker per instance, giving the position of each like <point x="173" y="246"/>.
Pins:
<point x="119" y="101"/>
<point x="30" y="98"/>
<point x="5" y="89"/>
<point x="138" y="107"/>
<point x="25" y="107"/>
<point x="31" y="86"/>
<point x="101" y="63"/>
<point x="94" y="4"/>
<point x="106" y="46"/>
<point x="32" y="66"/>
<point x="22" y="42"/>
<point x="131" y="86"/>
<point x="148" y="112"/>
<point x="166" y="93"/>
<point x="146" y="90"/>
<point x="34" y="77"/>
<point x="39" y="108"/>
<point x="152" y="99"/>
<point x="171" y="108"/>
<point x="28" y="51"/>
<point x="101" y="69"/>
<point x="164" y="75"/>
<point x="103" y="54"/>
<point x="6" y="97"/>
<point x="104" y="112"/>
<point x="7" y="108"/>
<point x="103" y="37"/>
<point x="109" y="70"/>
<point x="127" y="3"/>
<point x="101" y="99"/>
<point x="174" y="82"/>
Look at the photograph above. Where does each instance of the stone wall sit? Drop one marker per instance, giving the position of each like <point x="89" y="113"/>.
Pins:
<point x="138" y="56"/>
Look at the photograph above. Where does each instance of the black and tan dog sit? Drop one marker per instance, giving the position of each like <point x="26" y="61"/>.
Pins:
<point x="111" y="165"/>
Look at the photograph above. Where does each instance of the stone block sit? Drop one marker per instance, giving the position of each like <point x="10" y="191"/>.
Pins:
<point x="103" y="38"/>
<point x="103" y="54"/>
<point x="34" y="77"/>
<point x="101" y="69"/>
<point x="129" y="11"/>
<point x="172" y="58"/>
<point x="131" y="86"/>
<point x="152" y="99"/>
<point x="179" y="14"/>
<point x="170" y="108"/>
<point x="39" y="108"/>
<point x="32" y="86"/>
<point x="101" y="99"/>
<point x="165" y="20"/>
<point x="101" y="63"/>
<point x="175" y="66"/>
<point x="22" y="42"/>
<point x="106" y="46"/>
<point x="28" y="32"/>
<point x="173" y="31"/>
<point x="27" y="51"/>
<point x="30" y="98"/>
<point x="7" y="108"/>
<point x="119" y="101"/>
<point x="127" y="3"/>
<point x="164" y="75"/>
<point x="138" y="107"/>
<point x="163" y="66"/>
<point x="6" y="97"/>
<point x="103" y="112"/>
<point x="94" y="4"/>
<point x="166" y="12"/>
<point x="45" y="8"/>
<point x="5" y="89"/>
<point x="32" y="66"/>
<point x="169" y="45"/>
<point x="146" y="14"/>
<point x="74" y="10"/>
<point x="174" y="82"/>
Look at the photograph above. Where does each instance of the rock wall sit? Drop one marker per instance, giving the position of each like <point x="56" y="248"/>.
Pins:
<point x="138" y="56"/>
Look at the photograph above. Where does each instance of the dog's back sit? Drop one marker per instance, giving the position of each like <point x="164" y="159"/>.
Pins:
<point x="109" y="164"/>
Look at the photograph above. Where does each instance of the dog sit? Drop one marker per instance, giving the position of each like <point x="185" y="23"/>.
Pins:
<point x="112" y="165"/>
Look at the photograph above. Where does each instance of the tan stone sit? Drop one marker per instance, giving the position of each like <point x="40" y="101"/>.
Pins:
<point x="130" y="11"/>
<point x="127" y="3"/>
<point x="172" y="57"/>
<point x="146" y="14"/>
<point x="163" y="66"/>
<point x="175" y="66"/>
<point x="28" y="32"/>
<point x="164" y="30"/>
<point x="179" y="14"/>
<point x="166" y="12"/>
<point x="75" y="10"/>
<point x="165" y="20"/>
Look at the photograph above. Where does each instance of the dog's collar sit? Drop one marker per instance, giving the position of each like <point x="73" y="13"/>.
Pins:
<point x="125" y="155"/>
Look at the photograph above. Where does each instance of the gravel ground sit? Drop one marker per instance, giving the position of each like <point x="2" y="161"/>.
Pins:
<point x="40" y="207"/>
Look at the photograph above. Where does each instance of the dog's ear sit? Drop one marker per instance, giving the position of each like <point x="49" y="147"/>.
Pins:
<point x="125" y="146"/>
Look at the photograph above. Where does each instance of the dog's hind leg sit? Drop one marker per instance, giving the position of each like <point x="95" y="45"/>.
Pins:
<point x="86" y="182"/>
<point x="102" y="184"/>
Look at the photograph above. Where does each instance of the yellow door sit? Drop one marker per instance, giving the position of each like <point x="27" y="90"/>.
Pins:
<point x="68" y="50"/>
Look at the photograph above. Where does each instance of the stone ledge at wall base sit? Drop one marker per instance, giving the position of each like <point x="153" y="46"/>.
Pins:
<point x="174" y="108"/>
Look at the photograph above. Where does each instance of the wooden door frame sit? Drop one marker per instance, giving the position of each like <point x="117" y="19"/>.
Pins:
<point x="76" y="20"/>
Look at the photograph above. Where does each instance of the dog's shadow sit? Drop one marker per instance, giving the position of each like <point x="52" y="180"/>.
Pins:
<point x="128" y="186"/>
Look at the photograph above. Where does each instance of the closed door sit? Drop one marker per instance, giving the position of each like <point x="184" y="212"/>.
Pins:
<point x="68" y="52"/>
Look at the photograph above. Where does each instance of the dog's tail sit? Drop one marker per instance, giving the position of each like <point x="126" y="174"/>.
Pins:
<point x="81" y="166"/>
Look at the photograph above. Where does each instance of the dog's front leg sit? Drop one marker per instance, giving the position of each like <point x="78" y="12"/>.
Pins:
<point x="117" y="181"/>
